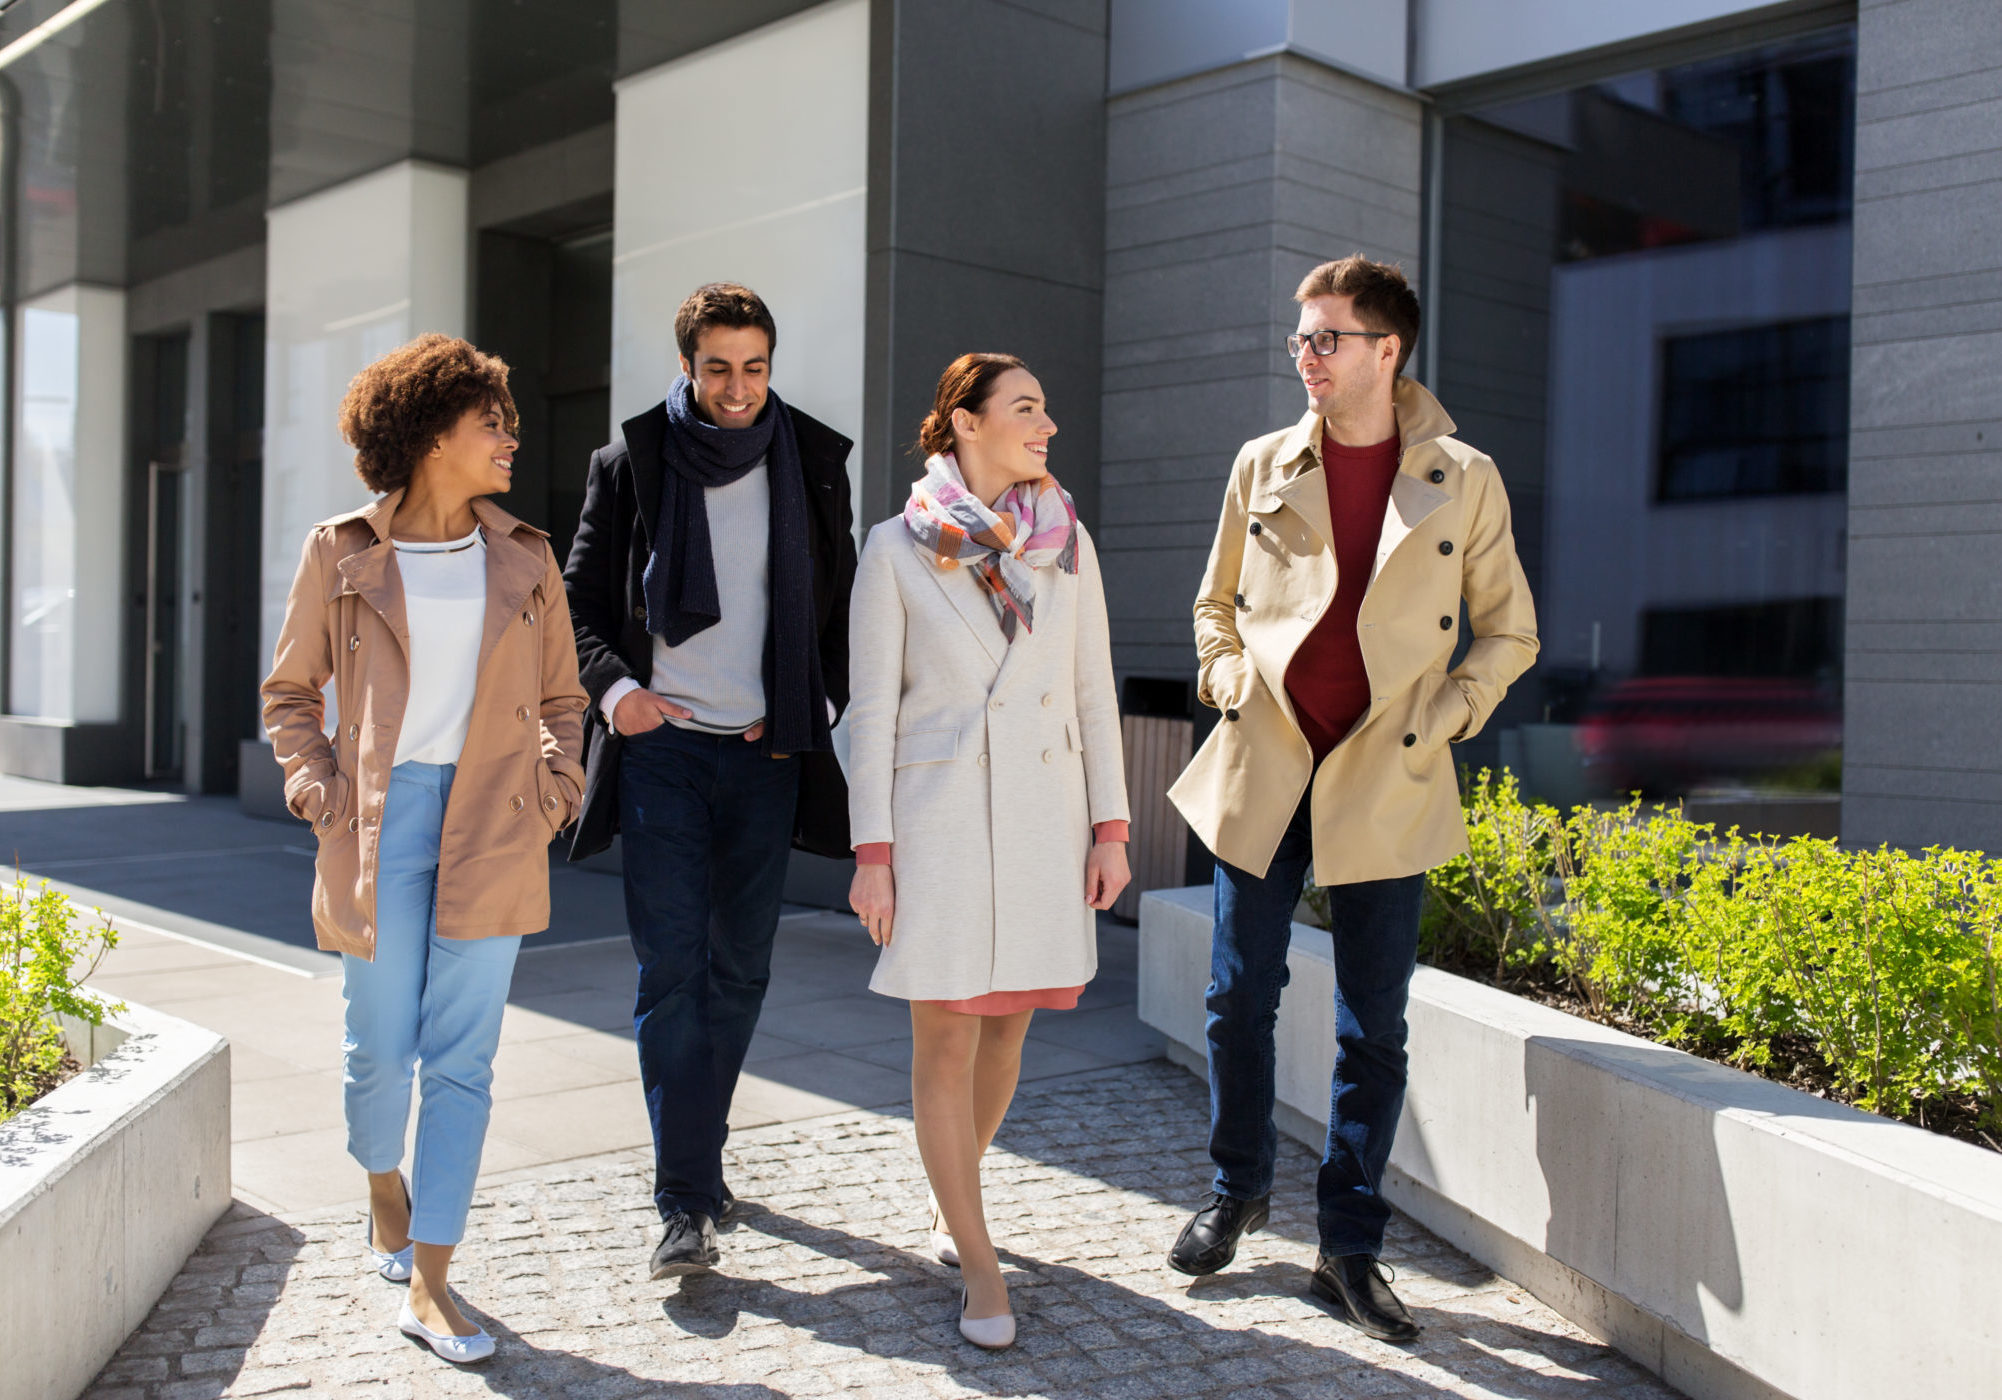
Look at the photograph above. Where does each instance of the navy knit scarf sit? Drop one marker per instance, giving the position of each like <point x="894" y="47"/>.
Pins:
<point x="680" y="578"/>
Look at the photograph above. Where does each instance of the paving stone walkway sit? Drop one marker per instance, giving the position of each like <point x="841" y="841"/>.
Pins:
<point x="827" y="1287"/>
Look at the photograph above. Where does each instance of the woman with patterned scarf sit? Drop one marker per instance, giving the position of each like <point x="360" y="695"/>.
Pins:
<point x="987" y="792"/>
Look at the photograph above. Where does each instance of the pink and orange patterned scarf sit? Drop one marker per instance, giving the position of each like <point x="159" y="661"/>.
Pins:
<point x="1032" y="526"/>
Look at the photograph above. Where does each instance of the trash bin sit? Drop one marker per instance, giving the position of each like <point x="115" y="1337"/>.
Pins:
<point x="1159" y="738"/>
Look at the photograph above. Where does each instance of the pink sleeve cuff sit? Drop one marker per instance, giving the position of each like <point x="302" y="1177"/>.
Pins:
<point x="1102" y="832"/>
<point x="873" y="853"/>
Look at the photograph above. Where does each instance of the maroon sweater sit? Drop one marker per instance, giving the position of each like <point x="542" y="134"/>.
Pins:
<point x="1326" y="680"/>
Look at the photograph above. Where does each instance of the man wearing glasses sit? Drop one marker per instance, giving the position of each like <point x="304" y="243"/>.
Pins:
<point x="1328" y="617"/>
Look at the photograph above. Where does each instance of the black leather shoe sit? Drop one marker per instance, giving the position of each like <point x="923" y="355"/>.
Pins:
<point x="1355" y="1287"/>
<point x="1209" y="1240"/>
<point x="728" y="1213"/>
<point x="688" y="1247"/>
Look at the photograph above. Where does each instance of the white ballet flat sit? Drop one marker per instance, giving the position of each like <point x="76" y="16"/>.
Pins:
<point x="394" y="1266"/>
<point x="988" y="1333"/>
<point x="941" y="1240"/>
<point x="456" y="1349"/>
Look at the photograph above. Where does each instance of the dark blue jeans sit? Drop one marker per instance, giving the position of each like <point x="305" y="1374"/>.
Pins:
<point x="706" y="822"/>
<point x="1376" y="949"/>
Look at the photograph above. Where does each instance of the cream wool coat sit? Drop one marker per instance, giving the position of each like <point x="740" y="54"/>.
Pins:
<point x="1386" y="800"/>
<point x="986" y="763"/>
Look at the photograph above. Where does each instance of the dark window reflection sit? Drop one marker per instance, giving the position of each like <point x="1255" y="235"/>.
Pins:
<point x="1758" y="411"/>
<point x="1644" y="292"/>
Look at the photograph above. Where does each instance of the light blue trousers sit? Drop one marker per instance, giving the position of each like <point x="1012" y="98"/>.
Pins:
<point x="428" y="1004"/>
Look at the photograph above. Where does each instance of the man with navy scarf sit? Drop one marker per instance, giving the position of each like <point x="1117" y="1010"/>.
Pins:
<point x="709" y="585"/>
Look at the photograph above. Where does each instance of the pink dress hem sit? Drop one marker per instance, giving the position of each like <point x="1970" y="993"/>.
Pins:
<point x="1008" y="1003"/>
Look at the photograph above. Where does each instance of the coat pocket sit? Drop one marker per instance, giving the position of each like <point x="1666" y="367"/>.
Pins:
<point x="927" y="746"/>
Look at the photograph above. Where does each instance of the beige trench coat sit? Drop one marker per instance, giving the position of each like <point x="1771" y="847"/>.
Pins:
<point x="1386" y="801"/>
<point x="986" y="763"/>
<point x="518" y="780"/>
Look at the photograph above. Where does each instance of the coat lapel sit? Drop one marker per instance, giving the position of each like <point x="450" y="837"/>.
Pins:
<point x="644" y="436"/>
<point x="969" y="600"/>
<point x="1411" y="500"/>
<point x="514" y="567"/>
<point x="371" y="575"/>
<point x="1025" y="640"/>
<point x="1307" y="493"/>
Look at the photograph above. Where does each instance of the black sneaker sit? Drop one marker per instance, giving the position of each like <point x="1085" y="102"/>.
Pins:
<point x="687" y="1247"/>
<point x="1357" y="1290"/>
<point x="1209" y="1240"/>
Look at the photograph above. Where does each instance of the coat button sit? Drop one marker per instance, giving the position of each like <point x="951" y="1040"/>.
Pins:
<point x="1445" y="546"/>
<point x="1047" y="755"/>
<point x="521" y="712"/>
<point x="515" y="803"/>
<point x="639" y="614"/>
<point x="1445" y="624"/>
<point x="1437" y="476"/>
<point x="993" y="704"/>
<point x="326" y="819"/>
<point x="354" y="732"/>
<point x="529" y="617"/>
<point x="1048" y="701"/>
<point x="1230" y="715"/>
<point x="983" y="760"/>
<point x="1409" y="740"/>
<point x="354" y="643"/>
<point x="1240" y="600"/>
<point x="354" y="823"/>
<point x="549" y="803"/>
<point x="1256" y="528"/>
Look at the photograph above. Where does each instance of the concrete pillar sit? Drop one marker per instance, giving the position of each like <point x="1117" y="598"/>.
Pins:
<point x="1222" y="190"/>
<point x="986" y="218"/>
<point x="1924" y="614"/>
<point x="775" y="202"/>
<point x="351" y="272"/>
<point x="66" y="515"/>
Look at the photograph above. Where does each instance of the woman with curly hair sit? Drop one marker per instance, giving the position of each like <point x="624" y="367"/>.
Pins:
<point x="450" y="764"/>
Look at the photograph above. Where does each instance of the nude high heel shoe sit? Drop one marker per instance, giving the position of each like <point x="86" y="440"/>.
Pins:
<point x="988" y="1333"/>
<point x="941" y="1238"/>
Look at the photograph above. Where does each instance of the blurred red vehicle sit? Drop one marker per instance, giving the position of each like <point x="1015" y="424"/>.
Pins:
<point x="1665" y="735"/>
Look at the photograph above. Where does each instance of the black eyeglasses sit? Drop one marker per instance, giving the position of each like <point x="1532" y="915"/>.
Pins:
<point x="1326" y="342"/>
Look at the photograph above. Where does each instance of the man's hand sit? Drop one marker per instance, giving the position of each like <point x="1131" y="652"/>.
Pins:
<point x="1105" y="874"/>
<point x="755" y="732"/>
<point x="641" y="710"/>
<point x="873" y="896"/>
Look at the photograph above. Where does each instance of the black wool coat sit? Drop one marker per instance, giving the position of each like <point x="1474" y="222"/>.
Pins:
<point x="609" y="557"/>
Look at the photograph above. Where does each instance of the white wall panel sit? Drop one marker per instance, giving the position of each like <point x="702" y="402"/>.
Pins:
<point x="351" y="272"/>
<point x="67" y="513"/>
<point x="748" y="162"/>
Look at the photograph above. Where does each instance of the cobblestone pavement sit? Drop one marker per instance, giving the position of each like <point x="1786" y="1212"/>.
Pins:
<point x="827" y="1287"/>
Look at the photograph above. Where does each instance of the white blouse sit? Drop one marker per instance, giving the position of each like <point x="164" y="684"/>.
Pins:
<point x="445" y="602"/>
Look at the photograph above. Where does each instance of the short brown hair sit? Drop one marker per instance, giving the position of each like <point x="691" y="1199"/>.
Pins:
<point x="1383" y="300"/>
<point x="403" y="403"/>
<point x="721" y="304"/>
<point x="968" y="382"/>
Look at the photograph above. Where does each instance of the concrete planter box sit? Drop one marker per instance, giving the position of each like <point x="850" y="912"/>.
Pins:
<point x="106" y="1187"/>
<point x="1739" y="1238"/>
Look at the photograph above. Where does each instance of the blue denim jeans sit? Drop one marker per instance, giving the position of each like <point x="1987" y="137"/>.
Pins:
<point x="706" y="829"/>
<point x="427" y="1004"/>
<point x="1376" y="949"/>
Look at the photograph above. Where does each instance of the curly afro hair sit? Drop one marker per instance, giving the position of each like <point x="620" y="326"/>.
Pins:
<point x="398" y="407"/>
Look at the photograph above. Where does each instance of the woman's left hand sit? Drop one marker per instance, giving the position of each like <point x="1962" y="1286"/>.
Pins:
<point x="1105" y="874"/>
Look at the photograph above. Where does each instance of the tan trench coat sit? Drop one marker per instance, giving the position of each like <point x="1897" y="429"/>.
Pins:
<point x="518" y="780"/>
<point x="1386" y="801"/>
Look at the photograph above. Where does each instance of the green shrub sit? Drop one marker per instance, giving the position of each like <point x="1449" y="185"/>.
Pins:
<point x="1887" y="965"/>
<point x="43" y="944"/>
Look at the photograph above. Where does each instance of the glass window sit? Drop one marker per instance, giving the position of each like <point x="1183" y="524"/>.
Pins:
<point x="1642" y="313"/>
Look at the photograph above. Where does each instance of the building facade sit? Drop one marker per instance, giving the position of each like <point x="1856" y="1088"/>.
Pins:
<point x="1714" y="282"/>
